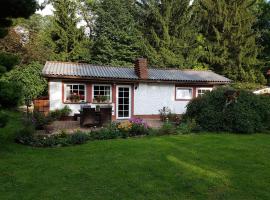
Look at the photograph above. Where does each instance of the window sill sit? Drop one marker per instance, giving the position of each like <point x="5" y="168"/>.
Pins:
<point x="183" y="99"/>
<point x="75" y="102"/>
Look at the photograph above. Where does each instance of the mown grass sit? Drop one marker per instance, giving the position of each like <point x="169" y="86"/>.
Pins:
<point x="205" y="166"/>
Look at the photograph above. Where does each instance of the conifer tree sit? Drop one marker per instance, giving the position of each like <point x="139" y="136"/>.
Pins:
<point x="227" y="26"/>
<point x="117" y="40"/>
<point x="68" y="42"/>
<point x="170" y="31"/>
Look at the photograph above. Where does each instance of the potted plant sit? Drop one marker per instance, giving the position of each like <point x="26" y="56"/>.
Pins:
<point x="103" y="99"/>
<point x="74" y="98"/>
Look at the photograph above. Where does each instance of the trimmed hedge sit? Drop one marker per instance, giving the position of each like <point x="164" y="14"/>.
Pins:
<point x="249" y="114"/>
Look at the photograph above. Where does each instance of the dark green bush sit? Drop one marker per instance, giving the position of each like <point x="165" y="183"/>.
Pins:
<point x="25" y="135"/>
<point x="40" y="120"/>
<point x="3" y="119"/>
<point x="167" y="129"/>
<point x="10" y="94"/>
<point x="109" y="132"/>
<point x="78" y="138"/>
<point x="249" y="114"/>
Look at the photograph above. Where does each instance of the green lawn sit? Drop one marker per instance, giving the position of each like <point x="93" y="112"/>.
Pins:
<point x="207" y="166"/>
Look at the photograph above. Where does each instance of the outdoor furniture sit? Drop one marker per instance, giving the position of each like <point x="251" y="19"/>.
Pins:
<point x="92" y="117"/>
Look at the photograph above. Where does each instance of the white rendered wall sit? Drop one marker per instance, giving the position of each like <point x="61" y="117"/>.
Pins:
<point x="56" y="102"/>
<point x="150" y="98"/>
<point x="55" y="94"/>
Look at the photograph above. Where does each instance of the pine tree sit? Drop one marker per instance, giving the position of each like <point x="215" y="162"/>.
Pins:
<point x="171" y="34"/>
<point x="227" y="26"/>
<point x="68" y="42"/>
<point x="116" y="38"/>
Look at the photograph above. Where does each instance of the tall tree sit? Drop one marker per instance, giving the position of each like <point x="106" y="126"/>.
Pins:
<point x="170" y="31"/>
<point x="227" y="26"/>
<point x="117" y="40"/>
<point x="67" y="41"/>
<point x="263" y="25"/>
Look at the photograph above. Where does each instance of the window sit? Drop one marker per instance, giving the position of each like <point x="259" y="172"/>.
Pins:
<point x="75" y="93"/>
<point x="102" y="93"/>
<point x="202" y="91"/>
<point x="183" y="93"/>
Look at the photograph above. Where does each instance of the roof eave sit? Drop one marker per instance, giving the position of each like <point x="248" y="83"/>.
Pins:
<point x="110" y="79"/>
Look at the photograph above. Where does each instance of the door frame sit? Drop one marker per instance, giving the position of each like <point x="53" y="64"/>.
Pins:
<point x="130" y="93"/>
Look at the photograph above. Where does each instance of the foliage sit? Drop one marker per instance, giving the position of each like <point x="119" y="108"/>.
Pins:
<point x="10" y="94"/>
<point x="78" y="138"/>
<point x="263" y="27"/>
<point x="14" y="9"/>
<point x="26" y="136"/>
<point x="187" y="127"/>
<point x="171" y="33"/>
<point x="139" y="127"/>
<point x="7" y="61"/>
<point x="3" y="119"/>
<point x="230" y="38"/>
<point x="59" y="114"/>
<point x="167" y="129"/>
<point x="117" y="40"/>
<point x="109" y="132"/>
<point x="246" y="86"/>
<point x="67" y="41"/>
<point x="166" y="115"/>
<point x="248" y="113"/>
<point x="39" y="120"/>
<point x="29" y="79"/>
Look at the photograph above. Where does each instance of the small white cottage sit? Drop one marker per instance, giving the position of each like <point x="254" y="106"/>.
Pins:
<point x="131" y="92"/>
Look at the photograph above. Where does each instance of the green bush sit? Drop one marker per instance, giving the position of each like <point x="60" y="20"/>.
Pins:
<point x="187" y="127"/>
<point x="10" y="94"/>
<point x="58" y="114"/>
<point x="248" y="114"/>
<point x="3" y="119"/>
<point x="40" y="120"/>
<point x="25" y="135"/>
<point x="78" y="138"/>
<point x="109" y="132"/>
<point x="167" y="129"/>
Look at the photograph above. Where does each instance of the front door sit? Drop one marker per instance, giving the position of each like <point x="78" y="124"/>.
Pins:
<point x="123" y="102"/>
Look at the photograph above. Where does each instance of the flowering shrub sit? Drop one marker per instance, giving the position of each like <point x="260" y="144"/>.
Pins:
<point x="125" y="126"/>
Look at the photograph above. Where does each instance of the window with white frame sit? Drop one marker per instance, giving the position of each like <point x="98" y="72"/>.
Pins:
<point x="102" y="93"/>
<point x="183" y="93"/>
<point x="201" y="91"/>
<point x="75" y="93"/>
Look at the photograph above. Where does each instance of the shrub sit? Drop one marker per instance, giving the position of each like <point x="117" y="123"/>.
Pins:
<point x="167" y="129"/>
<point x="10" y="94"/>
<point x="79" y="138"/>
<point x="60" y="113"/>
<point x="25" y="135"/>
<point x="248" y="114"/>
<point x="187" y="127"/>
<point x="3" y="119"/>
<point x="138" y="127"/>
<point x="40" y="120"/>
<point x="109" y="132"/>
<point x="166" y="115"/>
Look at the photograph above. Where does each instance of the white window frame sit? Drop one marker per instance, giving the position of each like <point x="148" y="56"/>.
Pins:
<point x="203" y="88"/>
<point x="186" y="99"/>
<point x="65" y="89"/>
<point x="130" y="101"/>
<point x="93" y="85"/>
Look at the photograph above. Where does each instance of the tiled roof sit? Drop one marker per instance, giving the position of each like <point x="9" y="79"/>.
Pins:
<point x="67" y="69"/>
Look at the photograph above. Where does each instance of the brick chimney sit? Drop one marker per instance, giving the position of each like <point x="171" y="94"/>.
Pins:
<point x="141" y="68"/>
